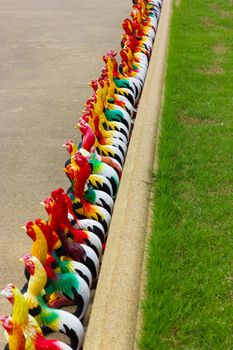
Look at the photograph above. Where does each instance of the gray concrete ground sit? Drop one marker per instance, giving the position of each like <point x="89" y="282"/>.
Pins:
<point x="49" y="51"/>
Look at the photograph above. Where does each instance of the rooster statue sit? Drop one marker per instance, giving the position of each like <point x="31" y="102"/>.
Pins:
<point x="102" y="135"/>
<point x="57" y="272"/>
<point x="97" y="108"/>
<point x="17" y="335"/>
<point x="84" y="224"/>
<point x="96" y="181"/>
<point x="65" y="246"/>
<point x="61" y="212"/>
<point x="57" y="320"/>
<point x="53" y="319"/>
<point x="83" y="208"/>
<point x="97" y="165"/>
<point x="94" y="115"/>
<point x="119" y="81"/>
<point x="83" y="172"/>
<point x="44" y="243"/>
<point x="68" y="220"/>
<point x="104" y="150"/>
<point x="109" y="174"/>
<point x="13" y="334"/>
<point x="21" y="319"/>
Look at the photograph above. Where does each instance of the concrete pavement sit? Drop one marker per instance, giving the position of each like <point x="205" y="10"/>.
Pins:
<point x="50" y="50"/>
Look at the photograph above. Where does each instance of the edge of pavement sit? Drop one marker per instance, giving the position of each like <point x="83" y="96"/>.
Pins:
<point x="115" y="316"/>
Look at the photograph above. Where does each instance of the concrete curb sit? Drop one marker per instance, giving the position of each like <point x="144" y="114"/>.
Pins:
<point x="113" y="320"/>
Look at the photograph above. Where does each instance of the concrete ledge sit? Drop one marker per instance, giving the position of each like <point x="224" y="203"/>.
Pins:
<point x="113" y="320"/>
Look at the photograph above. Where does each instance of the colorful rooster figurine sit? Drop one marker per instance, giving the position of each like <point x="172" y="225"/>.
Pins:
<point x="96" y="181"/>
<point x="17" y="335"/>
<point x="14" y="334"/>
<point x="44" y="243"/>
<point x="43" y="247"/>
<point x="104" y="150"/>
<point x="53" y="319"/>
<point x="83" y="171"/>
<point x="120" y="81"/>
<point x="84" y="224"/>
<point x="66" y="246"/>
<point x="103" y="136"/>
<point x="18" y="330"/>
<point x="97" y="108"/>
<point x="101" y="125"/>
<point x="83" y="208"/>
<point x="61" y="210"/>
<point x="55" y="272"/>
<point x="57" y="320"/>
<point x="97" y="165"/>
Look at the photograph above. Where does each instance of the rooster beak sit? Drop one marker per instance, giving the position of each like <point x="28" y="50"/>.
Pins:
<point x="76" y="126"/>
<point x="64" y="145"/>
<point x="42" y="203"/>
<point x="3" y="293"/>
<point x="21" y="260"/>
<point x="24" y="228"/>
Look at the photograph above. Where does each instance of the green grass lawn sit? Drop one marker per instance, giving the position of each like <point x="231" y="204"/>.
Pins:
<point x="189" y="296"/>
